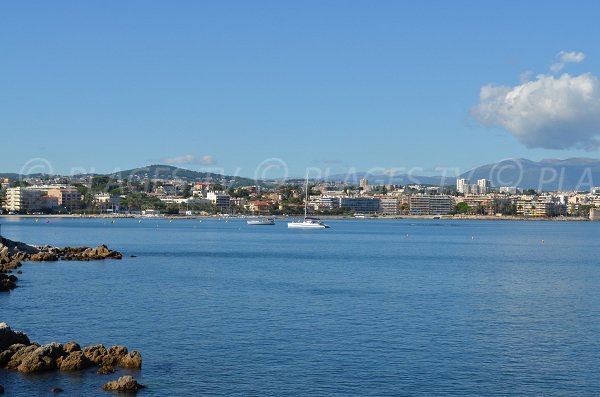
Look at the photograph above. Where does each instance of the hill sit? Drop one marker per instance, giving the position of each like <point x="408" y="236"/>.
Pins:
<point x="574" y="174"/>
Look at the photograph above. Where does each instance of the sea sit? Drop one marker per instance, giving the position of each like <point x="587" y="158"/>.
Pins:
<point x="366" y="308"/>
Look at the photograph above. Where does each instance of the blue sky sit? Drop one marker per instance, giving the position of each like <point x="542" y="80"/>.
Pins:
<point x="240" y="87"/>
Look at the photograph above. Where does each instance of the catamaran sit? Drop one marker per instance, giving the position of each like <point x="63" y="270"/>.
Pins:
<point x="309" y="222"/>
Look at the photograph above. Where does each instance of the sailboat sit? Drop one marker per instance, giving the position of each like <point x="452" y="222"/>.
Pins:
<point x="308" y="222"/>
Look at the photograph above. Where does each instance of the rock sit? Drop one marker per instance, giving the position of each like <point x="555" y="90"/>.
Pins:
<point x="7" y="354"/>
<point x="7" y="285"/>
<point x="19" y="355"/>
<point x="75" y="361"/>
<point x="106" y="369"/>
<point x="43" y="257"/>
<point x="56" y="390"/>
<point x="41" y="359"/>
<point x="100" y="252"/>
<point x="9" y="337"/>
<point x="71" y="347"/>
<point x="124" y="384"/>
<point x="1" y="389"/>
<point x="95" y="353"/>
<point x="131" y="360"/>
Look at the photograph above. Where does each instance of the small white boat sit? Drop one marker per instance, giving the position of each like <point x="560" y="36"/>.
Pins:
<point x="261" y="221"/>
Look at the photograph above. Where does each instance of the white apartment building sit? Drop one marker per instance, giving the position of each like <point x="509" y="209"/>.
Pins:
<point x="21" y="199"/>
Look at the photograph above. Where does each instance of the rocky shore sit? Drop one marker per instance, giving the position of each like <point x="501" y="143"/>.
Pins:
<point x="18" y="353"/>
<point x="13" y="253"/>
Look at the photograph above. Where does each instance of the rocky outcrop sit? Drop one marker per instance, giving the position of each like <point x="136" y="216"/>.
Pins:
<point x="7" y="282"/>
<point x="74" y="361"/>
<point x="12" y="253"/>
<point x="124" y="384"/>
<point x="18" y="353"/>
<point x="9" y="337"/>
<point x="42" y="358"/>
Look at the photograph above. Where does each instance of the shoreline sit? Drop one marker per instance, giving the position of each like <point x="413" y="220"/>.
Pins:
<point x="284" y="217"/>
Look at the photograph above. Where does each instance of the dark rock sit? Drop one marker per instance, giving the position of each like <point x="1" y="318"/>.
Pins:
<point x="7" y="354"/>
<point x="123" y="384"/>
<point x="75" y="361"/>
<point x="1" y="389"/>
<point x="56" y="390"/>
<point x="9" y="337"/>
<point x="95" y="353"/>
<point x="106" y="369"/>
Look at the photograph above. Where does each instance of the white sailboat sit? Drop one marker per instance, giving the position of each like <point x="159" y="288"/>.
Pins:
<point x="309" y="222"/>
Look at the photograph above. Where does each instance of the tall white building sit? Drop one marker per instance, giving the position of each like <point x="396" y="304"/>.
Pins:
<point x="462" y="185"/>
<point x="483" y="186"/>
<point x="364" y="183"/>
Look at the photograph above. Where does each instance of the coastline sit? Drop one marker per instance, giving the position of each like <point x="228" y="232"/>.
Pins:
<point x="282" y="217"/>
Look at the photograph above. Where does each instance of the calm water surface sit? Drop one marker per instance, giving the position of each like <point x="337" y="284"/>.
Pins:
<point x="366" y="308"/>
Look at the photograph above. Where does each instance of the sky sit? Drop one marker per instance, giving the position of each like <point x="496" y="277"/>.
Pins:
<point x="273" y="88"/>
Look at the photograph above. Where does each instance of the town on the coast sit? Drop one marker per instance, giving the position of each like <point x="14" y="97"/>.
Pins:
<point x="148" y="195"/>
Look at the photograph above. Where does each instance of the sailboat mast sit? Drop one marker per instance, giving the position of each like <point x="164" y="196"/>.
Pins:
<point x="306" y="197"/>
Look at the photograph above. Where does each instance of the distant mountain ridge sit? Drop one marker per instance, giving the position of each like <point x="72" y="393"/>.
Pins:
<point x="573" y="174"/>
<point x="158" y="171"/>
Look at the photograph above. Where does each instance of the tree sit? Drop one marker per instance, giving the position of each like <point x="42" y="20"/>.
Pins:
<point x="463" y="208"/>
<point x="187" y="190"/>
<point x="100" y="183"/>
<point x="133" y="201"/>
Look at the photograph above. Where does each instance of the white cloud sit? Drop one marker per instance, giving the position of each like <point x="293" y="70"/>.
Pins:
<point x="565" y="57"/>
<point x="548" y="112"/>
<point x="190" y="159"/>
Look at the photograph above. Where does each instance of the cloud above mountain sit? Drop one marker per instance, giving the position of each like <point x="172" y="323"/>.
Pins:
<point x="188" y="159"/>
<point x="546" y="112"/>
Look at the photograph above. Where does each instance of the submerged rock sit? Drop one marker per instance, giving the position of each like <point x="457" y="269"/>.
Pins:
<point x="123" y="384"/>
<point x="106" y="369"/>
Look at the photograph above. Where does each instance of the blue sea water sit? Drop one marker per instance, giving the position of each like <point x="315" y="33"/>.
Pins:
<point x="366" y="308"/>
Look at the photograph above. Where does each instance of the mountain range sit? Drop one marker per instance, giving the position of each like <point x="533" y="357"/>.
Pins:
<point x="574" y="174"/>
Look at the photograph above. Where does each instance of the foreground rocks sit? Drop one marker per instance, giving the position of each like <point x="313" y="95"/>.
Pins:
<point x="123" y="384"/>
<point x="12" y="253"/>
<point x="18" y="353"/>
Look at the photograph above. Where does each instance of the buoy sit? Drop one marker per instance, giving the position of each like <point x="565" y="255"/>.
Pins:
<point x="542" y="241"/>
<point x="472" y="238"/>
